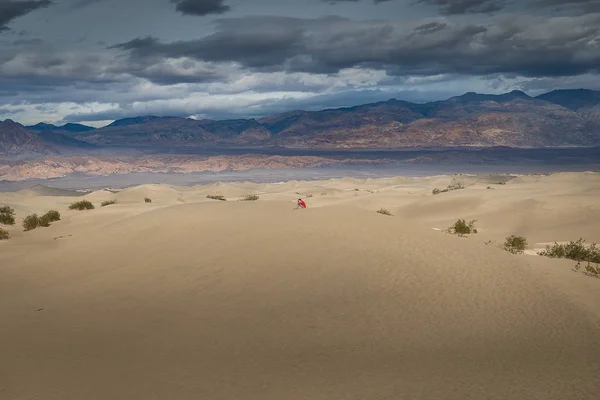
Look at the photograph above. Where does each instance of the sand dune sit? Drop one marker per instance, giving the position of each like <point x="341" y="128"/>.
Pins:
<point x="191" y="298"/>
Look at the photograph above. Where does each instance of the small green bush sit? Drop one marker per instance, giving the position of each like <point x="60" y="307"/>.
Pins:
<point x="461" y="228"/>
<point x="108" y="203"/>
<point x="44" y="221"/>
<point x="384" y="212"/>
<point x="7" y="210"/>
<point x="7" y="215"/>
<point x="216" y="197"/>
<point x="52" y="216"/>
<point x="82" y="205"/>
<point x="31" y="222"/>
<point x="7" y="219"/>
<point x="589" y="269"/>
<point x="458" y="186"/>
<point x="577" y="251"/>
<point x="147" y="200"/>
<point x="4" y="235"/>
<point x="515" y="244"/>
<point x="251" y="197"/>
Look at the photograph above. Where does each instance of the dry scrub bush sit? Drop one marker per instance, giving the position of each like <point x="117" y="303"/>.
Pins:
<point x="31" y="222"/>
<point x="462" y="228"/>
<point x="216" y="197"/>
<point x="515" y="244"/>
<point x="7" y="215"/>
<point x="82" y="205"/>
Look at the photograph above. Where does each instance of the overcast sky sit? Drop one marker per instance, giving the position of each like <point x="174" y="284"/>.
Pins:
<point x="94" y="61"/>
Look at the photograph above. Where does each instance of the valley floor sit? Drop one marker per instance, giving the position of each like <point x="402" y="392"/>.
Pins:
<point x="191" y="298"/>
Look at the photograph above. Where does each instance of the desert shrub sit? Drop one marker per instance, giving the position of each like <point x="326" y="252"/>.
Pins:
<point x="251" y="197"/>
<point x="592" y="270"/>
<point x="515" y="244"/>
<point x="216" y="197"/>
<point x="7" y="210"/>
<point x="577" y="251"/>
<point x="384" y="211"/>
<point x="82" y="205"/>
<point x="108" y="203"/>
<point x="4" y="235"/>
<point x="461" y="228"/>
<point x="7" y="215"/>
<point x="52" y="216"/>
<point x="458" y="186"/>
<point x="43" y="221"/>
<point x="31" y="222"/>
<point x="7" y="219"/>
<point x="147" y="200"/>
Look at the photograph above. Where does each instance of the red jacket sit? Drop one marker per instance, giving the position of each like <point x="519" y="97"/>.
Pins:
<point x="302" y="203"/>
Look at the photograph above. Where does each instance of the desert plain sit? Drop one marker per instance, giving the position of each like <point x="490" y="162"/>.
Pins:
<point x="192" y="298"/>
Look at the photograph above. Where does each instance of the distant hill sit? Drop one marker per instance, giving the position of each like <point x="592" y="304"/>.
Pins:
<point x="136" y="120"/>
<point x="17" y="140"/>
<point x="573" y="99"/>
<point x="557" y="119"/>
<point x="583" y="101"/>
<point x="72" y="128"/>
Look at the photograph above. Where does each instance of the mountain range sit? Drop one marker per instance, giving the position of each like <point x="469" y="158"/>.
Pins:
<point x="562" y="118"/>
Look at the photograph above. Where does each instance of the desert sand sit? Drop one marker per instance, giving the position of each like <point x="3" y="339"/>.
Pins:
<point x="191" y="298"/>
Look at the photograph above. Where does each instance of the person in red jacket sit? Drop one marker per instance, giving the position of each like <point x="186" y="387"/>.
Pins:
<point x="301" y="204"/>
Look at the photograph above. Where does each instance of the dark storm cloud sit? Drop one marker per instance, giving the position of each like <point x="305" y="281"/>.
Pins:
<point x="254" y="41"/>
<point x="521" y="46"/>
<point x="200" y="7"/>
<point x="453" y="7"/>
<point x="354" y="1"/>
<point x="586" y="6"/>
<point x="12" y="9"/>
<point x="430" y="27"/>
<point x="458" y="7"/>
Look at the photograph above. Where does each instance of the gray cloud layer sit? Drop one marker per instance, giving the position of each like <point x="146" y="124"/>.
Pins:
<point x="297" y="57"/>
<point x="452" y="7"/>
<point x="524" y="46"/>
<point x="11" y="9"/>
<point x="457" y="7"/>
<point x="200" y="7"/>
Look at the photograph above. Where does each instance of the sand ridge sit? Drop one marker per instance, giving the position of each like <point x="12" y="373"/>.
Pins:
<point x="191" y="298"/>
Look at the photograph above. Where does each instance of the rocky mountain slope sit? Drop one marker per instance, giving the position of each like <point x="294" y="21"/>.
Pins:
<point x="472" y="120"/>
<point x="71" y="128"/>
<point x="563" y="118"/>
<point x="17" y="140"/>
<point x="585" y="102"/>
